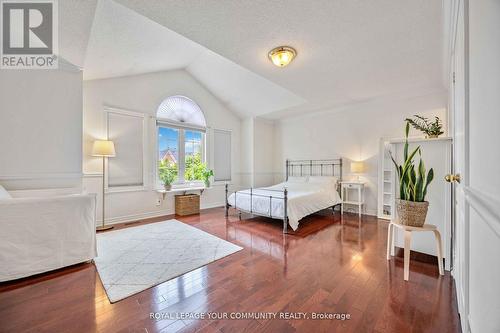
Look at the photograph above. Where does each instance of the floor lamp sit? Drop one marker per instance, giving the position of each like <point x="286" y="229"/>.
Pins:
<point x="103" y="148"/>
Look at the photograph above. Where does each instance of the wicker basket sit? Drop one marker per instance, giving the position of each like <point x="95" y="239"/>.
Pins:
<point x="412" y="213"/>
<point x="187" y="204"/>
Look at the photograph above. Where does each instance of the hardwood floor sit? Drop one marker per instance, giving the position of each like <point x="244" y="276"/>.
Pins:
<point x="333" y="264"/>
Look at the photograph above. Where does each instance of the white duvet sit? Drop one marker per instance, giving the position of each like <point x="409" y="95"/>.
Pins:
<point x="304" y="198"/>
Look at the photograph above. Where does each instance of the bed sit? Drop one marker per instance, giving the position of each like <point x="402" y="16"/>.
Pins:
<point x="310" y="186"/>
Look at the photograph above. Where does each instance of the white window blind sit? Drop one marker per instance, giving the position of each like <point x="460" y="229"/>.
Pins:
<point x="182" y="111"/>
<point x="222" y="155"/>
<point x="126" y="130"/>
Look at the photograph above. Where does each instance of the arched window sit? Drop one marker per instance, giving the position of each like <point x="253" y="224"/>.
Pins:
<point x="181" y="130"/>
<point x="181" y="110"/>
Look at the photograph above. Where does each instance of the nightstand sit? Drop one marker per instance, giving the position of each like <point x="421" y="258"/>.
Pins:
<point x="353" y="199"/>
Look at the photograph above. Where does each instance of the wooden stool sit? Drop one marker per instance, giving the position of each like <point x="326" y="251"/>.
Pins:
<point x="407" y="231"/>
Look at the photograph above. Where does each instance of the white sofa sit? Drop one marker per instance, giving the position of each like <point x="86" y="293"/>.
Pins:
<point x="42" y="234"/>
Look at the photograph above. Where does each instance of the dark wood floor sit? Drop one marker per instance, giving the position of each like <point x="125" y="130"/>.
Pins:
<point x="333" y="264"/>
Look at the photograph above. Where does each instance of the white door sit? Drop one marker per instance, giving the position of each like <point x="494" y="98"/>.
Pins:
<point x="475" y="117"/>
<point x="459" y="132"/>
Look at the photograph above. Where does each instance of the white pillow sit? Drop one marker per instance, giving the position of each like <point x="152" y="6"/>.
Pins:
<point x="323" y="180"/>
<point x="4" y="194"/>
<point x="297" y="179"/>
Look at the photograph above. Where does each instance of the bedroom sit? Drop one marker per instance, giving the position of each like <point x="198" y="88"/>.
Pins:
<point x="234" y="157"/>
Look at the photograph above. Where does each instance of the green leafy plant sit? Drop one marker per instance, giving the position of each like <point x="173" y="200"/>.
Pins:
<point x="194" y="167"/>
<point x="196" y="170"/>
<point x="207" y="173"/>
<point x="423" y="124"/>
<point x="413" y="182"/>
<point x="167" y="172"/>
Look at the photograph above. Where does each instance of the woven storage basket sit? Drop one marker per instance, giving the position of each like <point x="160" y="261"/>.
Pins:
<point x="412" y="213"/>
<point x="187" y="204"/>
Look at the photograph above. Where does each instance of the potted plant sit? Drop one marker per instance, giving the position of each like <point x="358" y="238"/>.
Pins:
<point x="413" y="182"/>
<point x="167" y="173"/>
<point x="206" y="174"/>
<point x="431" y="129"/>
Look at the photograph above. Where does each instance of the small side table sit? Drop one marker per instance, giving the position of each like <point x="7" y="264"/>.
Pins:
<point x="407" y="231"/>
<point x="345" y="187"/>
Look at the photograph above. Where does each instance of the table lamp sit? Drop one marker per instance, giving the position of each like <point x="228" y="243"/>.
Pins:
<point x="357" y="168"/>
<point x="103" y="148"/>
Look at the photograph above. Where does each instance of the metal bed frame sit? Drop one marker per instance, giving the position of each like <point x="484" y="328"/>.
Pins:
<point x="293" y="168"/>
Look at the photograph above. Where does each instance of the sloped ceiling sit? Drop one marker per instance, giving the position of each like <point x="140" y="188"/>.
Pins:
<point x="348" y="51"/>
<point x="124" y="42"/>
<point x="75" y="22"/>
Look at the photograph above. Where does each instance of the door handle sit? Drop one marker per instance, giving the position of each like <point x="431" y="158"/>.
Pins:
<point x="450" y="178"/>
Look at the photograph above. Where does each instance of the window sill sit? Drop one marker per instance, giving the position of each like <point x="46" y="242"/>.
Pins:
<point x="183" y="190"/>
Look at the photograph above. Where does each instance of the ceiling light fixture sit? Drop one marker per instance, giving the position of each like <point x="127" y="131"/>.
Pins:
<point x="282" y="55"/>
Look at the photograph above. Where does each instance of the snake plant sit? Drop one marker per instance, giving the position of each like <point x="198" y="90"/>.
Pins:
<point x="413" y="182"/>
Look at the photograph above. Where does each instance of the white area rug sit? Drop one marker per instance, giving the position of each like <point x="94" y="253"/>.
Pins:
<point x="133" y="259"/>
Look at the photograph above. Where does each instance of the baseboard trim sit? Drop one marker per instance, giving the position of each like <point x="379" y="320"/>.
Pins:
<point x="134" y="217"/>
<point x="369" y="212"/>
<point x="148" y="215"/>
<point x="416" y="256"/>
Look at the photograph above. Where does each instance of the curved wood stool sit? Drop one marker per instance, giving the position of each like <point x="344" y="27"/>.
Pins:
<point x="407" y="231"/>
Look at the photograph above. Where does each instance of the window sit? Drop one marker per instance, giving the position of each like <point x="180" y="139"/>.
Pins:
<point x="193" y="155"/>
<point x="181" y="139"/>
<point x="181" y="110"/>
<point x="168" y="148"/>
<point x="126" y="129"/>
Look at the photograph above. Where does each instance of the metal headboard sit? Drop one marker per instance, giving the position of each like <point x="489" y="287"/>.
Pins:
<point x="331" y="167"/>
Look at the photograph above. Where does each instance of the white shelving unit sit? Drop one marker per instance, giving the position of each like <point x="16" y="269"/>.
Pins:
<point x="387" y="180"/>
<point x="386" y="186"/>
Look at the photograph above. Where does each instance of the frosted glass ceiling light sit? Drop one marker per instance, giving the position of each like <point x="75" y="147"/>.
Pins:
<point x="281" y="56"/>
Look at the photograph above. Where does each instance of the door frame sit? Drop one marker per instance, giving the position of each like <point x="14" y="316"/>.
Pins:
<point x="458" y="19"/>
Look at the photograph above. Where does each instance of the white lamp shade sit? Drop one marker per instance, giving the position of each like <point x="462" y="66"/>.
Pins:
<point x="103" y="148"/>
<point x="357" y="167"/>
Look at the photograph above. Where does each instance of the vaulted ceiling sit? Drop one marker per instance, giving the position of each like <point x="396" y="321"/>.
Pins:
<point x="348" y="51"/>
<point x="124" y="42"/>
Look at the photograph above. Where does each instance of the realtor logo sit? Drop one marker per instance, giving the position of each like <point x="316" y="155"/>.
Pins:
<point x="29" y="34"/>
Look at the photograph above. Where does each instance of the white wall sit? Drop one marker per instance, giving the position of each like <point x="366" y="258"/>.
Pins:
<point x="263" y="152"/>
<point x="353" y="133"/>
<point x="257" y="158"/>
<point x="40" y="128"/>
<point x="144" y="93"/>
<point x="247" y="152"/>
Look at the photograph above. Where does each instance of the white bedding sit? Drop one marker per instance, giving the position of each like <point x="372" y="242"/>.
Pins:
<point x="304" y="198"/>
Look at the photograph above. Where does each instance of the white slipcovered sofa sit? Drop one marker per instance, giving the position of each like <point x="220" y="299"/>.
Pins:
<point x="42" y="234"/>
